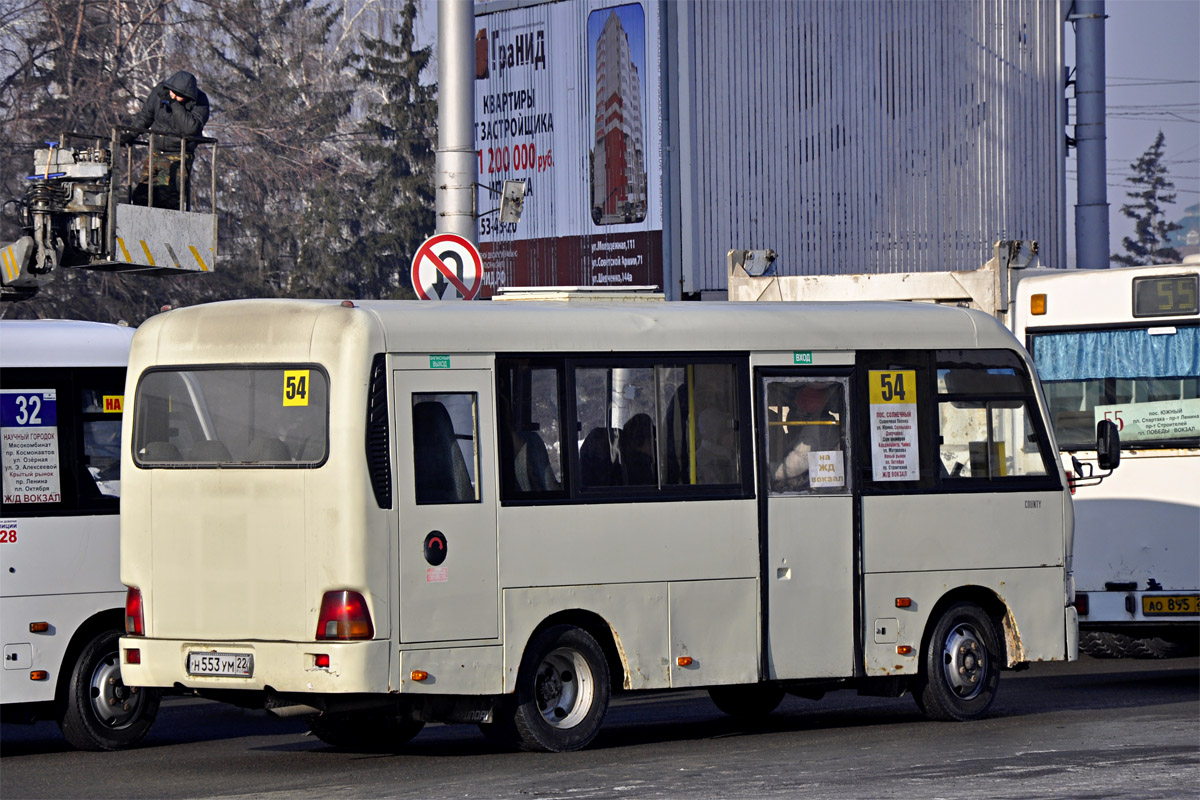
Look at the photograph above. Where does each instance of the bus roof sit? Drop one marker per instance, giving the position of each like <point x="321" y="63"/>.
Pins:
<point x="63" y="343"/>
<point x="531" y="327"/>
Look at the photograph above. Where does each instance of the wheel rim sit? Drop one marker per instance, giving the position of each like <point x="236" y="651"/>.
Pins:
<point x="564" y="688"/>
<point x="116" y="705"/>
<point x="964" y="661"/>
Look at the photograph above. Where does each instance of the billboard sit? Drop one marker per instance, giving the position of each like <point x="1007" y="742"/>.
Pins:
<point x="567" y="98"/>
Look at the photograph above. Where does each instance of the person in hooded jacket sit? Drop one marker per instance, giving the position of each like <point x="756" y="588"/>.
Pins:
<point x="174" y="108"/>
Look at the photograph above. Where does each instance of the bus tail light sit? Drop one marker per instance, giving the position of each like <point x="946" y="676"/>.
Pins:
<point x="344" y="615"/>
<point x="135" y="621"/>
<point x="133" y="656"/>
<point x="1081" y="603"/>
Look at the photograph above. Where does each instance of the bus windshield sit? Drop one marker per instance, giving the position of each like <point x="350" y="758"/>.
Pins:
<point x="1144" y="379"/>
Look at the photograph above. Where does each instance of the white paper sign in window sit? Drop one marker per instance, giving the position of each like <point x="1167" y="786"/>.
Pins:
<point x="826" y="469"/>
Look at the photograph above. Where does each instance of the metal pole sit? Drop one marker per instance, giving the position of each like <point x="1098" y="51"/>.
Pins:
<point x="1091" y="212"/>
<point x="455" y="199"/>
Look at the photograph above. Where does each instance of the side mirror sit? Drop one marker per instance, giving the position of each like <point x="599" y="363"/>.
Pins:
<point x="1108" y="445"/>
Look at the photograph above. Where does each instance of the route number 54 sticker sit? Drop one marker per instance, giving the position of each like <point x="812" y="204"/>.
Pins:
<point x="295" y="387"/>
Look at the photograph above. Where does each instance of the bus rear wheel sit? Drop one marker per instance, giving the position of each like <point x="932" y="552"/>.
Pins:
<point x="373" y="731"/>
<point x="747" y="701"/>
<point x="562" y="693"/>
<point x="99" y="712"/>
<point x="960" y="666"/>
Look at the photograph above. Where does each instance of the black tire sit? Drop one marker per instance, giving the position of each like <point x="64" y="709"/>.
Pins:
<point x="747" y="701"/>
<point x="1156" y="647"/>
<point x="98" y="711"/>
<point x="562" y="694"/>
<point x="372" y="731"/>
<point x="960" y="666"/>
<point x="1102" y="644"/>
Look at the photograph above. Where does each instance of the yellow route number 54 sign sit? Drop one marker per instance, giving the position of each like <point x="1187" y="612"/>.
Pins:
<point x="894" y="451"/>
<point x="295" y="387"/>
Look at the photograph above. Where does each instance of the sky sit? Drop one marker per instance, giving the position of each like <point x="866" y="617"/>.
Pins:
<point x="1152" y="56"/>
<point x="1152" y="60"/>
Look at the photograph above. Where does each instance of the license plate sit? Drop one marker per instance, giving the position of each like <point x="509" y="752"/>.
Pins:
<point x="227" y="665"/>
<point x="1179" y="605"/>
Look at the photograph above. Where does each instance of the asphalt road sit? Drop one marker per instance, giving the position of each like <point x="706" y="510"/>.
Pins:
<point x="1092" y="729"/>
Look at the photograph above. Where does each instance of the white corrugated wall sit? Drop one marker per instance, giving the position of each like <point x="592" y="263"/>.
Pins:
<point x="863" y="136"/>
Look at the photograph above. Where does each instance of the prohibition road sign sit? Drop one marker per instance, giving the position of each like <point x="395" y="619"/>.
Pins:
<point x="447" y="267"/>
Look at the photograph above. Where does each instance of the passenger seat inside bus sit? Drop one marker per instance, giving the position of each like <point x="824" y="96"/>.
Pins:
<point x="441" y="470"/>
<point x="209" y="450"/>
<point x="160" y="451"/>
<point x="263" y="448"/>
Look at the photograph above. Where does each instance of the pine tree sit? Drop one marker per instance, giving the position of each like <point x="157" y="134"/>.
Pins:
<point x="373" y="222"/>
<point x="1148" y="211"/>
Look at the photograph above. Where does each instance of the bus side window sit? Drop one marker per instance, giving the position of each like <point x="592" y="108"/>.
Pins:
<point x="986" y="412"/>
<point x="807" y="446"/>
<point x="530" y="439"/>
<point x="445" y="447"/>
<point x="100" y="413"/>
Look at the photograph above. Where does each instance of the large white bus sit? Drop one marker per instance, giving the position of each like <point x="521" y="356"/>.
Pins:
<point x="1124" y="344"/>
<point x="62" y="606"/>
<point x="378" y="514"/>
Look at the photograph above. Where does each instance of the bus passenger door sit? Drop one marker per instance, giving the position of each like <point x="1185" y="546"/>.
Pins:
<point x="805" y="483"/>
<point x="447" y="501"/>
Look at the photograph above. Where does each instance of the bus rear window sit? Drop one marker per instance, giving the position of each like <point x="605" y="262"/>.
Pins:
<point x="228" y="416"/>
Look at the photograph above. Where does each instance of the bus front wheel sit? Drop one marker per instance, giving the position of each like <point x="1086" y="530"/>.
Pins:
<point x="562" y="692"/>
<point x="99" y="712"/>
<point x="960" y="666"/>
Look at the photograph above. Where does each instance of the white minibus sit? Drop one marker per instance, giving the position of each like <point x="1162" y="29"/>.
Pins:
<point x="62" y="385"/>
<point x="1124" y="345"/>
<point x="377" y="514"/>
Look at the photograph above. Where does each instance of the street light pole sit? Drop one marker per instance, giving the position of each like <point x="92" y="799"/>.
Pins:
<point x="455" y="197"/>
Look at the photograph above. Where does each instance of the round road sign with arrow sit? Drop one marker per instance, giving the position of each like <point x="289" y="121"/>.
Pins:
<point x="447" y="267"/>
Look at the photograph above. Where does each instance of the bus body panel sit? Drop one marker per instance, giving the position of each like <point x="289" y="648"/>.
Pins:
<point x="456" y="598"/>
<point x="1139" y="528"/>
<point x="665" y="541"/>
<point x="636" y="614"/>
<point x="907" y="533"/>
<point x="79" y="552"/>
<point x="355" y="667"/>
<point x="810" y="587"/>
<point x="1034" y="628"/>
<point x="715" y="624"/>
<point x="62" y="570"/>
<point x="217" y="572"/>
<point x="25" y="652"/>
<point x="452" y="670"/>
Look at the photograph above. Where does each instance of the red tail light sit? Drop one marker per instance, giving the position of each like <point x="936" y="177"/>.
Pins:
<point x="1081" y="604"/>
<point x="135" y="621"/>
<point x="344" y="615"/>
